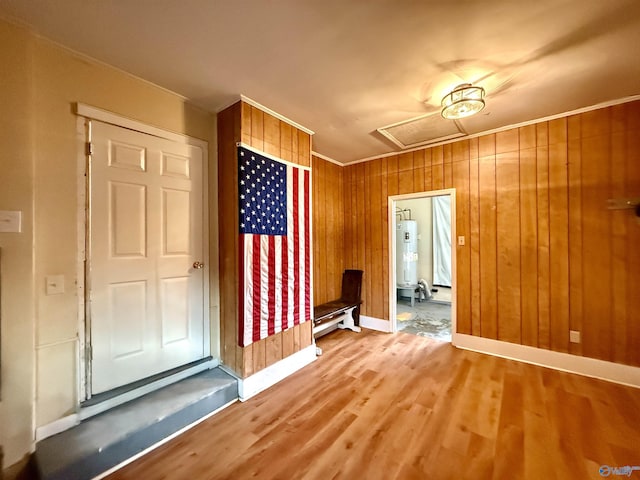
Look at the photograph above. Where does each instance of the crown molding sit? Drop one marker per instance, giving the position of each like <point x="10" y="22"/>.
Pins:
<point x="328" y="159"/>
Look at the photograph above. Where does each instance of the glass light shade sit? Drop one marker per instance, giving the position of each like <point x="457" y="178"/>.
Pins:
<point x="463" y="101"/>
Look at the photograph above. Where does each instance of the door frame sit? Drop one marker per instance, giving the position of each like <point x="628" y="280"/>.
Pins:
<point x="85" y="114"/>
<point x="392" y="200"/>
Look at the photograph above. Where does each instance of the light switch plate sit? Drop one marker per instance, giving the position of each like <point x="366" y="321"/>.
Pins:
<point x="54" y="284"/>
<point x="461" y="240"/>
<point x="574" y="336"/>
<point x="10" y="221"/>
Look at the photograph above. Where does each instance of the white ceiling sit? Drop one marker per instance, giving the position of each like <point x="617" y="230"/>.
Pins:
<point x="344" y="68"/>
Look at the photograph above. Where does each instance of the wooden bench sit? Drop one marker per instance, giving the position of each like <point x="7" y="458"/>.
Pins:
<point x="343" y="312"/>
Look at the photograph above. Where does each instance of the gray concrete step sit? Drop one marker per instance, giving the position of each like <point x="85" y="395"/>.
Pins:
<point x="106" y="440"/>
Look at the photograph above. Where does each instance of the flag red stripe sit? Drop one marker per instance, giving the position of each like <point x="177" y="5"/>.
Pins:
<point x="271" y="297"/>
<point x="241" y="306"/>
<point x="256" y="288"/>
<point x="296" y="249"/>
<point x="285" y="283"/>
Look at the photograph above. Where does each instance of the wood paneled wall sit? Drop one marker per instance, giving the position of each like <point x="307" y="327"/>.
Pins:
<point x="328" y="230"/>
<point x="258" y="129"/>
<point x="543" y="254"/>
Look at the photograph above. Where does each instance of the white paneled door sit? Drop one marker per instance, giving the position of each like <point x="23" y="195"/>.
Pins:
<point x="146" y="256"/>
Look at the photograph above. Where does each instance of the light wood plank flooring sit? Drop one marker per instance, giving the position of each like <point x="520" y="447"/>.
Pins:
<point x="381" y="406"/>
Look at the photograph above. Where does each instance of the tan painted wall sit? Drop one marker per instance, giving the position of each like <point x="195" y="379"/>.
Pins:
<point x="16" y="287"/>
<point x="46" y="82"/>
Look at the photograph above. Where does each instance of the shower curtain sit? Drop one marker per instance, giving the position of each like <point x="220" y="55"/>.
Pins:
<point x="441" y="240"/>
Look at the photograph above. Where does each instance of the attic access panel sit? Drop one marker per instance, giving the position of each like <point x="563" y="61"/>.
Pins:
<point x="430" y="128"/>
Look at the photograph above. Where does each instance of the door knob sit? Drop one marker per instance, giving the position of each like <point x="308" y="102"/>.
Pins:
<point x="198" y="265"/>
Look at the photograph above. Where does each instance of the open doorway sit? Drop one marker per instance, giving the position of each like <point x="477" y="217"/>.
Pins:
<point x="422" y="264"/>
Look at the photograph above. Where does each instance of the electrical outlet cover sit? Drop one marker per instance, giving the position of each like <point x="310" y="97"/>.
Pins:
<point x="10" y="221"/>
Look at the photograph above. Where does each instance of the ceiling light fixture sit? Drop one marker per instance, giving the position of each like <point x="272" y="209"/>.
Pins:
<point x="463" y="101"/>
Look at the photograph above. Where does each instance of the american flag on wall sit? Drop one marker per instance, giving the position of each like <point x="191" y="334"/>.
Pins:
<point x="275" y="250"/>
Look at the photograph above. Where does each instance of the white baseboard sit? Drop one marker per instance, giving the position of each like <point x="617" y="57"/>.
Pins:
<point x="256" y="383"/>
<point x="590" y="367"/>
<point x="57" y="426"/>
<point x="373" y="323"/>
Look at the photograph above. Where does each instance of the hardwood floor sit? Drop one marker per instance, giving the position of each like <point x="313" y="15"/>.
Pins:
<point x="382" y="406"/>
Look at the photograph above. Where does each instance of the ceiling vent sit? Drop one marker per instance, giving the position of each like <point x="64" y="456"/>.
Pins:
<point x="423" y="130"/>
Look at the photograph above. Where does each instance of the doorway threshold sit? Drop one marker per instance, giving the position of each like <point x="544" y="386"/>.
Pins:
<point x="107" y="400"/>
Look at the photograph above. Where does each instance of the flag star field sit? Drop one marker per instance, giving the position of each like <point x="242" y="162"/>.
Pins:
<point x="263" y="195"/>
